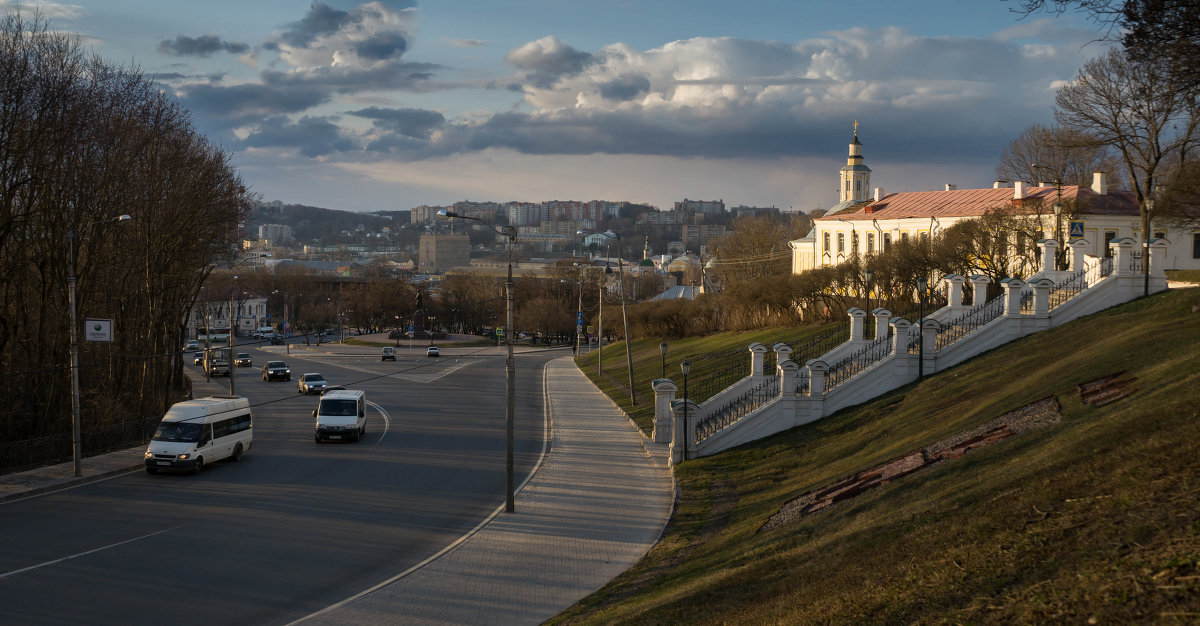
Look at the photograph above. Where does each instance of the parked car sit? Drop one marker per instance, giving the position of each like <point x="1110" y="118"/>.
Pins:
<point x="276" y="370"/>
<point x="276" y="340"/>
<point x="198" y="358"/>
<point x="433" y="351"/>
<point x="389" y="354"/>
<point x="242" y="360"/>
<point x="311" y="383"/>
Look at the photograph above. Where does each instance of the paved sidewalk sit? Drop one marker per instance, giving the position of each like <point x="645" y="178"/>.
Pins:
<point x="597" y="504"/>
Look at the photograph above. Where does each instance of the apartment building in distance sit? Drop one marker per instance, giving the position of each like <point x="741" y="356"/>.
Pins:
<point x="438" y="253"/>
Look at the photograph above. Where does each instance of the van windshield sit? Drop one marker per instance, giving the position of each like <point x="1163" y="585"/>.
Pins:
<point x="178" y="431"/>
<point x="339" y="408"/>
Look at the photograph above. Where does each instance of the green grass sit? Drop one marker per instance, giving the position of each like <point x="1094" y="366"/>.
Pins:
<point x="1094" y="517"/>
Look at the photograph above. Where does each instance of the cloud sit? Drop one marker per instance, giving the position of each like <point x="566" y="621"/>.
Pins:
<point x="320" y="20"/>
<point x="236" y="105"/>
<point x="547" y="60"/>
<point x="625" y="87"/>
<point x="312" y="136"/>
<point x="468" y="43"/>
<point x="203" y="46"/>
<point x="365" y="36"/>
<point x="413" y="123"/>
<point x="48" y="10"/>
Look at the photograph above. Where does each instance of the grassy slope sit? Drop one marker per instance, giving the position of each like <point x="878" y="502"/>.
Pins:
<point x="1097" y="516"/>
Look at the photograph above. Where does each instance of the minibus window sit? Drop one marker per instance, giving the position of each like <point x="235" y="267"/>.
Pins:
<point x="339" y="407"/>
<point x="177" y="431"/>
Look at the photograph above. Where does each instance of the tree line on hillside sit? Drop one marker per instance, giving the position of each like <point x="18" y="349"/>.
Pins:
<point x="83" y="142"/>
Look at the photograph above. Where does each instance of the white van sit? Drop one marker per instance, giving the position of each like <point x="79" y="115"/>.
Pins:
<point x="201" y="431"/>
<point x="341" y="415"/>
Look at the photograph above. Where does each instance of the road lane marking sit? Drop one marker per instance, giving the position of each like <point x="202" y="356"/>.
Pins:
<point x="75" y="556"/>
<point x="387" y="421"/>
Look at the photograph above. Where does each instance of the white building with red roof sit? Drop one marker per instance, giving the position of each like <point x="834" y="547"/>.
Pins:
<point x="861" y="224"/>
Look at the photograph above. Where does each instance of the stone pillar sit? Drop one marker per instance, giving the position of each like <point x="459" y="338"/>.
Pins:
<point x="816" y="377"/>
<point x="956" y="290"/>
<point x="1158" y="258"/>
<point x="787" y="390"/>
<point x="1049" y="249"/>
<point x="783" y="352"/>
<point x="929" y="338"/>
<point x="1079" y="254"/>
<point x="1122" y="256"/>
<point x="1041" y="297"/>
<point x="857" y="316"/>
<point x="1012" y="296"/>
<point x="882" y="317"/>
<point x="664" y="396"/>
<point x="979" y="284"/>
<point x="683" y="431"/>
<point x="900" y="357"/>
<point x="757" y="356"/>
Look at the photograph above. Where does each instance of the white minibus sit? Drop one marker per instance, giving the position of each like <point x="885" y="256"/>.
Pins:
<point x="201" y="431"/>
<point x="341" y="415"/>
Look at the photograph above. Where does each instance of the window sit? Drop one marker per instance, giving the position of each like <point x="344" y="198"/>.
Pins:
<point x="841" y="243"/>
<point x="1196" y="245"/>
<point x="903" y="236"/>
<point x="827" y="241"/>
<point x="858" y="185"/>
<point x="870" y="243"/>
<point x="923" y="238"/>
<point x="1109" y="235"/>
<point x="854" y="243"/>
<point x="847" y="185"/>
<point x="1160" y="234"/>
<point x="887" y="241"/>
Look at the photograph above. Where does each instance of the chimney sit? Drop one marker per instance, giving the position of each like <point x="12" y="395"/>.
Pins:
<point x="1099" y="183"/>
<point x="950" y="187"/>
<point x="1019" y="190"/>
<point x="999" y="184"/>
<point x="878" y="194"/>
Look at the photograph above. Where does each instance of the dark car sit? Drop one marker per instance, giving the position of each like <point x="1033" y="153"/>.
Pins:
<point x="276" y="340"/>
<point x="276" y="370"/>
<point x="243" y="360"/>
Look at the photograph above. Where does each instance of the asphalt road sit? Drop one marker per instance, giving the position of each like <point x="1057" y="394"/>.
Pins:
<point x="296" y="525"/>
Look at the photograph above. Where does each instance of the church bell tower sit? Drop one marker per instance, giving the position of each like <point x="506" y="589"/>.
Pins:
<point x="856" y="177"/>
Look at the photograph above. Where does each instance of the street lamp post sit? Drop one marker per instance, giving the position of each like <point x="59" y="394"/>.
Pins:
<point x="685" y="367"/>
<point x="1058" y="253"/>
<point x="510" y="367"/>
<point x="922" y="284"/>
<point x="662" y="349"/>
<point x="76" y="427"/>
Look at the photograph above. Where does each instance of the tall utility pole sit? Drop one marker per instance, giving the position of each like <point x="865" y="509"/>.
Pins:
<point x="232" y="326"/>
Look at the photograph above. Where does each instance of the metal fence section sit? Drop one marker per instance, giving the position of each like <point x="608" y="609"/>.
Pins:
<point x="1079" y="281"/>
<point x="738" y="408"/>
<point x="18" y="456"/>
<point x="803" y="382"/>
<point x="820" y="344"/>
<point x="716" y="382"/>
<point x="850" y="366"/>
<point x="968" y="323"/>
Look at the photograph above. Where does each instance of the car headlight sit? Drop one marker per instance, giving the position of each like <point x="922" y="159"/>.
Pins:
<point x="183" y="457"/>
<point x="149" y="454"/>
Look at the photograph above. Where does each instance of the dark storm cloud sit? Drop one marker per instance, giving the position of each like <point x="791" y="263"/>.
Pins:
<point x="625" y="87"/>
<point x="382" y="46"/>
<point x="238" y="104"/>
<point x="321" y="19"/>
<point x="415" y="123"/>
<point x="312" y="136"/>
<point x="203" y="46"/>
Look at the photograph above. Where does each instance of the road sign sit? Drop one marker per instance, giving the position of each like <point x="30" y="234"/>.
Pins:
<point x="97" y="330"/>
<point x="579" y="316"/>
<point x="1076" y="230"/>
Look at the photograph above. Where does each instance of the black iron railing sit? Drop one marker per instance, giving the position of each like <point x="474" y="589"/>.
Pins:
<point x="803" y="382"/>
<point x="737" y="408"/>
<point x="850" y="366"/>
<point x="820" y="344"/>
<point x="969" y="322"/>
<point x="1079" y="281"/>
<point x="18" y="456"/>
<point x="709" y="386"/>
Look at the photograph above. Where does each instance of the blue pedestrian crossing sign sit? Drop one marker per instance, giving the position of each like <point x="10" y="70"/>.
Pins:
<point x="1076" y="230"/>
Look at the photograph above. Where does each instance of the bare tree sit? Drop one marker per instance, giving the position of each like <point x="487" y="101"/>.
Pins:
<point x="1059" y="155"/>
<point x="1146" y="117"/>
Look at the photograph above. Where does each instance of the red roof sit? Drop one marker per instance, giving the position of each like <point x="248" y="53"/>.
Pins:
<point x="975" y="202"/>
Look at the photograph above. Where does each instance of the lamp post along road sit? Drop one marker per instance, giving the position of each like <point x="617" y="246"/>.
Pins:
<point x="922" y="284"/>
<point x="662" y="349"/>
<point x="685" y="367"/>
<point x="510" y="367"/>
<point x="232" y="326"/>
<point x="76" y="427"/>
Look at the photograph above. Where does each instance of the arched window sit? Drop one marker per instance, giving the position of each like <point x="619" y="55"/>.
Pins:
<point x="841" y="243"/>
<point x="826" y="242"/>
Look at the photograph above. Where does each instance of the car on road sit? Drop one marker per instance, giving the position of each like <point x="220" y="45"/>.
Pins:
<point x="311" y="383"/>
<point x="276" y="370"/>
<point x="242" y="360"/>
<point x="192" y="345"/>
<point x="276" y="340"/>
<point x="198" y="358"/>
<point x="389" y="354"/>
<point x="433" y="351"/>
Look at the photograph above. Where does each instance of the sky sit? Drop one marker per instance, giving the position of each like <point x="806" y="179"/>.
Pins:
<point x="392" y="104"/>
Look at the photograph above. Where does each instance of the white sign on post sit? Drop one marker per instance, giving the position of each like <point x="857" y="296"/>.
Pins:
<point x="97" y="330"/>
